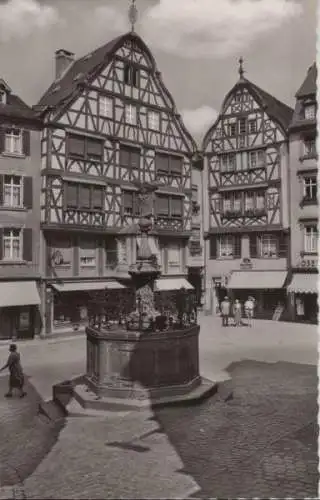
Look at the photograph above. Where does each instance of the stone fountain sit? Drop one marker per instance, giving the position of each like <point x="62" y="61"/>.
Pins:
<point x="145" y="359"/>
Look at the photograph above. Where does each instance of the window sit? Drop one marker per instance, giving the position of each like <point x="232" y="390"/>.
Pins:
<point x="130" y="203"/>
<point x="12" y="191"/>
<point x="154" y="120"/>
<point x="309" y="147"/>
<point x="130" y="75"/>
<point x="2" y="97"/>
<point x="12" y="244"/>
<point x="228" y="162"/>
<point x="237" y="202"/>
<point x="311" y="239"/>
<point x="13" y="141"/>
<point x="225" y="246"/>
<point x="310" y="188"/>
<point x="237" y="97"/>
<point x="256" y="159"/>
<point x="129" y="157"/>
<point x="194" y="193"/>
<point x="242" y="126"/>
<point x="227" y="203"/>
<point x="232" y="129"/>
<point x="169" y="206"/>
<point x="87" y="253"/>
<point x="105" y="107"/>
<point x="85" y="148"/>
<point x="111" y="253"/>
<point x="168" y="165"/>
<point x="252" y="126"/>
<point x="131" y="114"/>
<point x="310" y="112"/>
<point x="268" y="246"/>
<point x="249" y="201"/>
<point x="84" y="196"/>
<point x="260" y="200"/>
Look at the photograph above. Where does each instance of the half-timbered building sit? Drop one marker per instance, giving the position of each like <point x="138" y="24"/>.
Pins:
<point x="247" y="221"/>
<point x="111" y="127"/>
<point x="19" y="217"/>
<point x="303" y="288"/>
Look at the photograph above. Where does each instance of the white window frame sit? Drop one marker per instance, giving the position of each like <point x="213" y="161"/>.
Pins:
<point x="232" y="129"/>
<point x="225" y="246"/>
<point x="248" y="196"/>
<point x="310" y="183"/>
<point x="11" y="187"/>
<point x="240" y="122"/>
<point x="310" y="238"/>
<point x="309" y="147"/>
<point x="268" y="244"/>
<point x="105" y="107"/>
<point x="229" y="165"/>
<point x="154" y="120"/>
<point x="310" y="111"/>
<point x="256" y="158"/>
<point x="9" y="237"/>
<point x="13" y="141"/>
<point x="131" y="114"/>
<point x="238" y="97"/>
<point x="252" y="122"/>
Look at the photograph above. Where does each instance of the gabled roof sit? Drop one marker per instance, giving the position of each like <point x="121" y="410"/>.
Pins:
<point x="15" y="107"/>
<point x="279" y="111"/>
<point x="81" y="70"/>
<point x="309" y="86"/>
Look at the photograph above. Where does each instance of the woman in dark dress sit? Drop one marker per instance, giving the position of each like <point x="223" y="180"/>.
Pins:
<point x="16" y="379"/>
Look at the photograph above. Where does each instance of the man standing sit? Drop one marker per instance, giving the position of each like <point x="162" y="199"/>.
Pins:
<point x="248" y="308"/>
<point x="225" y="311"/>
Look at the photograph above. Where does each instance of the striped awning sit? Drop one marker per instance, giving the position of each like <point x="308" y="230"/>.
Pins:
<point x="304" y="283"/>
<point x="268" y="280"/>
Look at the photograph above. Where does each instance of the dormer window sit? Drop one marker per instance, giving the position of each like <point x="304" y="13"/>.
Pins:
<point x="310" y="112"/>
<point x="130" y="75"/>
<point x="3" y="97"/>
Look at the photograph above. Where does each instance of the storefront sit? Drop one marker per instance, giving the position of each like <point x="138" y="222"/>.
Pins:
<point x="303" y="292"/>
<point x="266" y="287"/>
<point x="19" y="310"/>
<point x="67" y="303"/>
<point x="195" y="278"/>
<point x="165" y="292"/>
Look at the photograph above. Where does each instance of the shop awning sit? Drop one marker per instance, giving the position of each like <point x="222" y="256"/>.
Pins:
<point x="304" y="283"/>
<point x="257" y="279"/>
<point x="19" y="293"/>
<point x="172" y="284"/>
<point x="83" y="286"/>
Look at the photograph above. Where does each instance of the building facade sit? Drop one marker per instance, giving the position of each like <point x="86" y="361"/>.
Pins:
<point x="111" y="132"/>
<point x="303" y="288"/>
<point x="247" y="200"/>
<point x="19" y="217"/>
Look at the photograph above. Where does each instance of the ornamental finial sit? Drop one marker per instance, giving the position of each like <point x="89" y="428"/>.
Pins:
<point x="241" y="70"/>
<point x="133" y="14"/>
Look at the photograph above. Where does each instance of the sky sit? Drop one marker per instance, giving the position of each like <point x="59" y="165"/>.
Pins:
<point x="196" y="44"/>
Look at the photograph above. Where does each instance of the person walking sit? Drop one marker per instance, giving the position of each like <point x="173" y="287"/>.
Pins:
<point x="16" y="379"/>
<point x="225" y="311"/>
<point x="248" y="309"/>
<point x="237" y="313"/>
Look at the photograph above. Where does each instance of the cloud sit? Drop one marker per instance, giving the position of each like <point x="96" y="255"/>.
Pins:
<point x="20" y="18"/>
<point x="114" y="19"/>
<point x="214" y="28"/>
<point x="199" y="120"/>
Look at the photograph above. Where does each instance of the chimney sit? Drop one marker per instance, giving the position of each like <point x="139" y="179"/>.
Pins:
<point x="63" y="59"/>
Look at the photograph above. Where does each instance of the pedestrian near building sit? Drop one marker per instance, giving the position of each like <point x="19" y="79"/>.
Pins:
<point x="16" y="379"/>
<point x="237" y="313"/>
<point x="225" y="311"/>
<point x="248" y="309"/>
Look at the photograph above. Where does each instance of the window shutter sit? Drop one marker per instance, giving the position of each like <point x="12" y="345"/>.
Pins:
<point x="237" y="247"/>
<point x="27" y="245"/>
<point x="1" y="190"/>
<point x="1" y="243"/>
<point x="27" y="192"/>
<point x="283" y="245"/>
<point x="72" y="195"/>
<point x="253" y="246"/>
<point x="213" y="247"/>
<point x="26" y="142"/>
<point x="97" y="198"/>
<point x="85" y="196"/>
<point x="2" y="139"/>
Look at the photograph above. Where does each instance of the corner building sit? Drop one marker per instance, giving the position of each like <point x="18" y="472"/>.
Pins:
<point x="20" y="129"/>
<point x="247" y="226"/>
<point x="111" y="126"/>
<point x="304" y="210"/>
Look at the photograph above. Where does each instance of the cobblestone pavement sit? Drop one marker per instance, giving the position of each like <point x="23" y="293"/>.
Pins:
<point x="25" y="437"/>
<point x="261" y="443"/>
